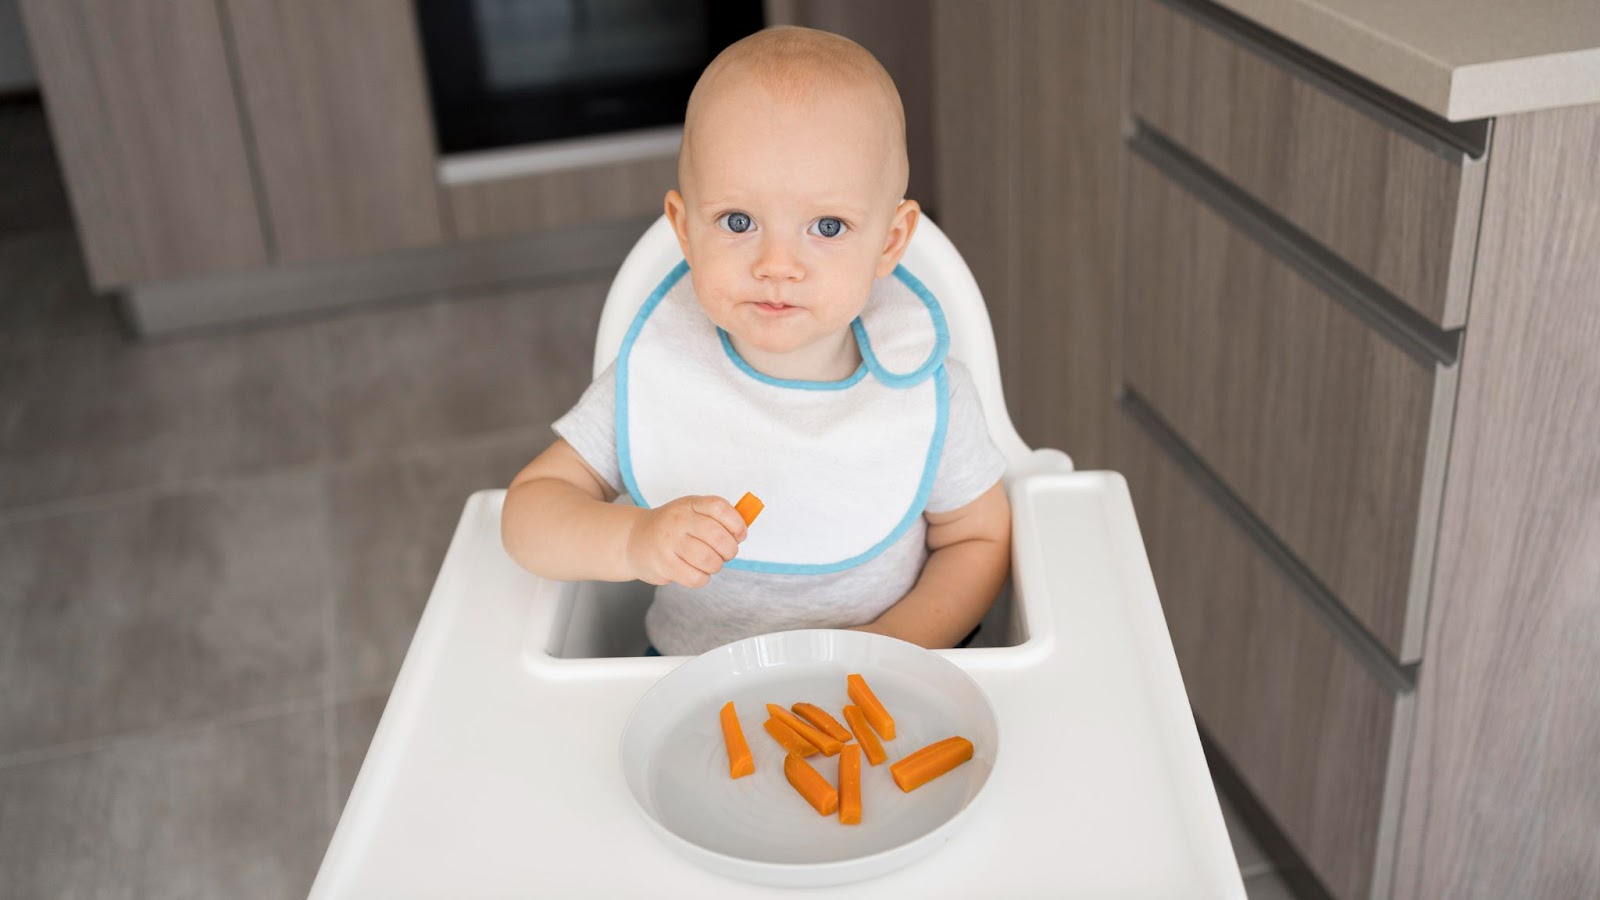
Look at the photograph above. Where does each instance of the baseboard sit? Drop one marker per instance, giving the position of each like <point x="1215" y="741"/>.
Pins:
<point x="211" y="301"/>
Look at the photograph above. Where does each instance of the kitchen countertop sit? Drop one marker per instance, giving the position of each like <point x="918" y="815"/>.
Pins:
<point x="1461" y="59"/>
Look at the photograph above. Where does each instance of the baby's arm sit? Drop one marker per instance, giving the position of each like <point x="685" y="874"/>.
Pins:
<point x="970" y="554"/>
<point x="559" y="522"/>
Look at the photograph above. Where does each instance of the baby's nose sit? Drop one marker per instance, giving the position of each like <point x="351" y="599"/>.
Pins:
<point x="778" y="261"/>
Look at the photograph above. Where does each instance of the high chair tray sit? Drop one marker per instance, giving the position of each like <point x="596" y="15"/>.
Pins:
<point x="495" y="770"/>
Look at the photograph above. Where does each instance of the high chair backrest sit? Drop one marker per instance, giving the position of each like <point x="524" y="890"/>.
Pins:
<point x="931" y="257"/>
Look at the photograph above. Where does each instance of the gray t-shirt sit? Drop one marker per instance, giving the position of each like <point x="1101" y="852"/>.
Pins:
<point x="737" y="604"/>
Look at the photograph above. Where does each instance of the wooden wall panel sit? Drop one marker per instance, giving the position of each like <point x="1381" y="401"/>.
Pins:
<point x="1070" y="169"/>
<point x="975" y="91"/>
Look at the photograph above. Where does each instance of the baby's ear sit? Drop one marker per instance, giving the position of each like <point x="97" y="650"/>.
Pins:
<point x="678" y="215"/>
<point x="901" y="228"/>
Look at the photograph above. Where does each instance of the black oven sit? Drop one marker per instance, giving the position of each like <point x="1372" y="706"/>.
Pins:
<point x="509" y="72"/>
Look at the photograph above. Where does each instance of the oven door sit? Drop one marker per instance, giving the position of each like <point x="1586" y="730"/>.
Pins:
<point x="510" y="72"/>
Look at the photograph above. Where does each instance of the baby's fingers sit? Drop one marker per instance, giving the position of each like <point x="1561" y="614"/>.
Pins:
<point x="699" y="554"/>
<point x="722" y="512"/>
<point x="716" y="538"/>
<point x="687" y="573"/>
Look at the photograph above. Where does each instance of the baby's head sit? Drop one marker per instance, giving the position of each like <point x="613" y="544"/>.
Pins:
<point x="792" y="176"/>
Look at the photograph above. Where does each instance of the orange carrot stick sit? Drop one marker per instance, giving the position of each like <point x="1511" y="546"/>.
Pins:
<point x="819" y="719"/>
<point x="850" y="785"/>
<point x="740" y="762"/>
<point x="930" y="762"/>
<point x="869" y="741"/>
<point x="787" y="739"/>
<point x="882" y="722"/>
<point x="811" y="785"/>
<point x="749" y="506"/>
<point x="815" y="738"/>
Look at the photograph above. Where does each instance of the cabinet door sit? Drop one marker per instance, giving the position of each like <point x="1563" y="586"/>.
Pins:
<point x="143" y="116"/>
<point x="1317" y="737"/>
<point x="338" y="109"/>
<point x="1373" y="186"/>
<point x="1330" y="432"/>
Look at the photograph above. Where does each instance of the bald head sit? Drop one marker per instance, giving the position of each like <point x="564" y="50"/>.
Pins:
<point x="797" y="71"/>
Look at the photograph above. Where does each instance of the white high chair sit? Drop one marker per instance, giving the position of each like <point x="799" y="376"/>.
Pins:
<point x="494" y="770"/>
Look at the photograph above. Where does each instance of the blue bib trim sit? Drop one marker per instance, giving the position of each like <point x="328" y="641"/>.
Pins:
<point x="930" y="468"/>
<point x="933" y="366"/>
<point x="796" y="383"/>
<point x="941" y="341"/>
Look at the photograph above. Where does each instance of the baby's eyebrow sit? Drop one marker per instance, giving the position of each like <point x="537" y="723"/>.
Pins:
<point x="823" y="208"/>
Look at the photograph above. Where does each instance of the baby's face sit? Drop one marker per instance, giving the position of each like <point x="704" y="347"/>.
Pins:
<point x="789" y="211"/>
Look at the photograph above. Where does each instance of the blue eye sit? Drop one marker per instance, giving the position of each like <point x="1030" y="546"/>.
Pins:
<point x="828" y="227"/>
<point x="736" y="222"/>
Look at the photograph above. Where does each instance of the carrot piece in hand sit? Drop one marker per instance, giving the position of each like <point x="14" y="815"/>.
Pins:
<point x="864" y="734"/>
<point x="850" y="785"/>
<point x="882" y="722"/>
<point x="740" y="762"/>
<point x="811" y="785"/>
<point x="748" y="507"/>
<point x="819" y="719"/>
<point x="787" y="739"/>
<point x="815" y="738"/>
<point x="930" y="762"/>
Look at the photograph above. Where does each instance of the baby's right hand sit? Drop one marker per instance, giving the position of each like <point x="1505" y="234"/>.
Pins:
<point x="685" y="541"/>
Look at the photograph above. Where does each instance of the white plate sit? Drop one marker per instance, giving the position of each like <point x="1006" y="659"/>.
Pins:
<point x="757" y="828"/>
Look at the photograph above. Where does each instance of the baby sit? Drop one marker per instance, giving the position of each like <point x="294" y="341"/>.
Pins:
<point x="796" y="361"/>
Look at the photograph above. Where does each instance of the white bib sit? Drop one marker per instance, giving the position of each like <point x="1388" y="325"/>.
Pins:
<point x="844" y="468"/>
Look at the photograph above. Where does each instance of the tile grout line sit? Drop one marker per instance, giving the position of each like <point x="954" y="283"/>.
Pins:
<point x="89" y="502"/>
<point x="171" y="729"/>
<point x="184" y="727"/>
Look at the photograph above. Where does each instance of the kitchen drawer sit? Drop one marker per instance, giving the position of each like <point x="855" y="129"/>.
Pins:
<point x="1313" y="731"/>
<point x="1393" y="191"/>
<point x="1330" y="431"/>
<point x="560" y="198"/>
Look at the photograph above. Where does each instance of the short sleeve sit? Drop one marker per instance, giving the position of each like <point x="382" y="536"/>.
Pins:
<point x="591" y="427"/>
<point x="971" y="463"/>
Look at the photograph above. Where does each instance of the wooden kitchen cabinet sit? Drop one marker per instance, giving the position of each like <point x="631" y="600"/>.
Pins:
<point x="1398" y="200"/>
<point x="150" y="138"/>
<point x="229" y="159"/>
<point x="1353" y="351"/>
<point x="1329" y="431"/>
<point x="1319" y="735"/>
<point x="337" y="107"/>
<point x="567" y="198"/>
<point x="1358" y="426"/>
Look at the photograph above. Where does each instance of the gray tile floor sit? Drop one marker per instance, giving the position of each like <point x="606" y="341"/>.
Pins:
<point x="214" y="550"/>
